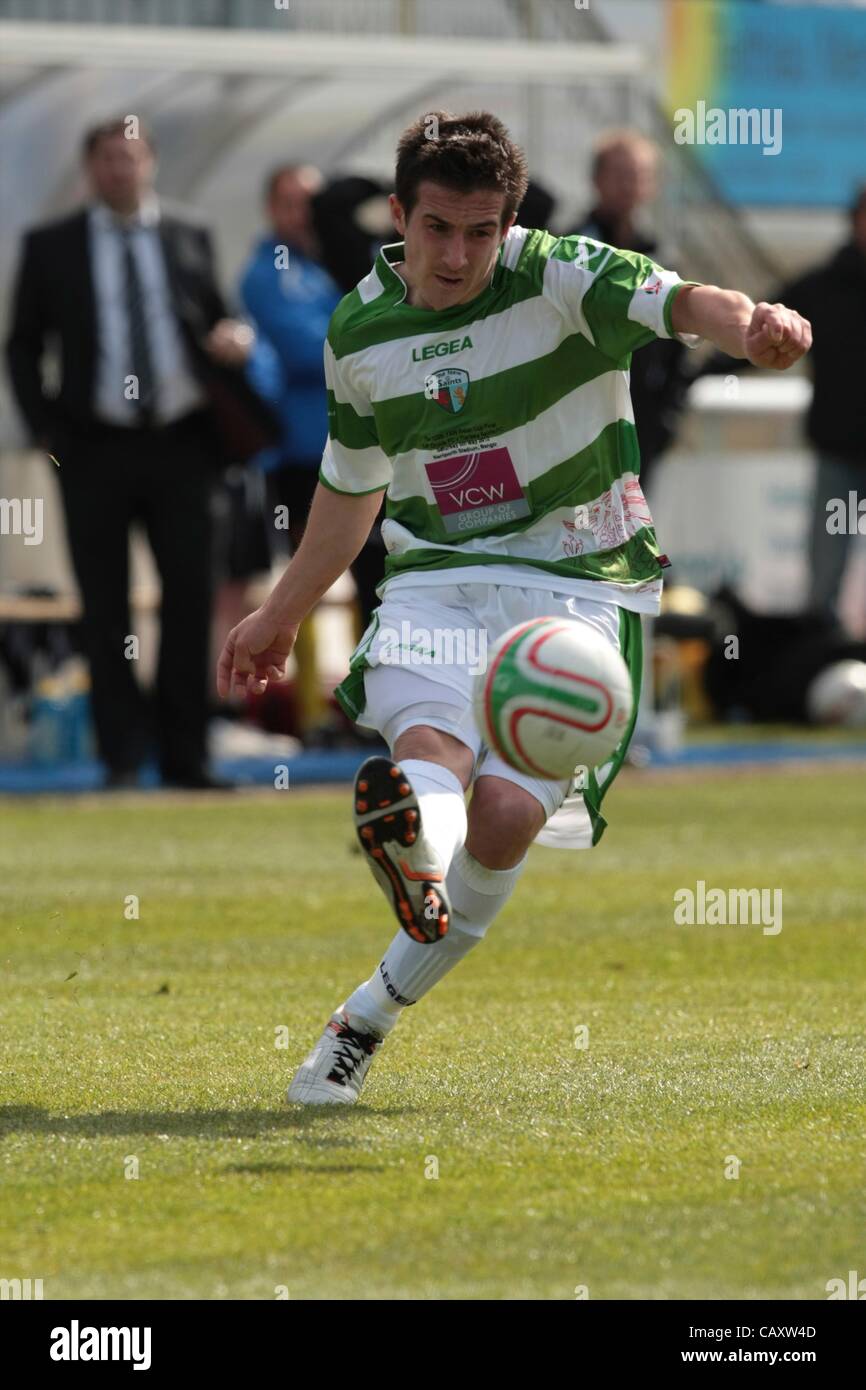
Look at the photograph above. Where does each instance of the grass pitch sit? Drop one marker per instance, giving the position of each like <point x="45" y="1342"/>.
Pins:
<point x="147" y="1046"/>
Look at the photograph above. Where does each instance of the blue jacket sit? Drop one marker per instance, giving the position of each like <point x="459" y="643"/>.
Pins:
<point x="291" y="310"/>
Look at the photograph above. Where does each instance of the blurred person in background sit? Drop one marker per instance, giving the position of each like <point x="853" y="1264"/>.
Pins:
<point x="351" y="221"/>
<point x="537" y="208"/>
<point x="833" y="297"/>
<point x="625" y="179"/>
<point x="151" y="392"/>
<point x="290" y="296"/>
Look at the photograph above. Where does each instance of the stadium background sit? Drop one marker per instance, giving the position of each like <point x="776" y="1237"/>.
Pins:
<point x="232" y="96"/>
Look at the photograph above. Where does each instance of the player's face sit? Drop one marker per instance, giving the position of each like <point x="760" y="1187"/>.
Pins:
<point x="121" y="171"/>
<point x="451" y="243"/>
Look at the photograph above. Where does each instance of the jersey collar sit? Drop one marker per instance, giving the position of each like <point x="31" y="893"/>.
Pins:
<point x="394" y="251"/>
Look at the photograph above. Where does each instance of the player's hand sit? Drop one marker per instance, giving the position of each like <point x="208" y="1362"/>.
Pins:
<point x="777" y="337"/>
<point x="255" y="655"/>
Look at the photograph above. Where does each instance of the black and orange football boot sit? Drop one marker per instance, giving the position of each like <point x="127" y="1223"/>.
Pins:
<point x="405" y="865"/>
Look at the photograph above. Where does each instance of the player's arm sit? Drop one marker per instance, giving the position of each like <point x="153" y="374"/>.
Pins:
<point x="256" y="651"/>
<point x="767" y="335"/>
<point x="338" y="526"/>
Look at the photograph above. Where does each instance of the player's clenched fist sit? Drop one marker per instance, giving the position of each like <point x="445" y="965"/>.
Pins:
<point x="777" y="337"/>
<point x="255" y="652"/>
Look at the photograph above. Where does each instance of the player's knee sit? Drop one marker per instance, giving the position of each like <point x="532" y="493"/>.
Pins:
<point x="436" y="746"/>
<point x="504" y="819"/>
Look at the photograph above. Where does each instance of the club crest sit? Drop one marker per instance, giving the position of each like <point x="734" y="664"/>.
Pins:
<point x="448" y="387"/>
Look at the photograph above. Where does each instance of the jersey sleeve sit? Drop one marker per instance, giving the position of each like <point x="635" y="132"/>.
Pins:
<point x="619" y="300"/>
<point x="353" y="460"/>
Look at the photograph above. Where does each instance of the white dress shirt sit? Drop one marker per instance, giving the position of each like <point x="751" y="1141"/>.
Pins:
<point x="176" y="389"/>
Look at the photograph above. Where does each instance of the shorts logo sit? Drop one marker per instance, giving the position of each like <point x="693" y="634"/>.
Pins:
<point x="448" y="387"/>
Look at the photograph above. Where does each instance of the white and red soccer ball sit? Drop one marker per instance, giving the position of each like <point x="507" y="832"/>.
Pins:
<point x="555" y="696"/>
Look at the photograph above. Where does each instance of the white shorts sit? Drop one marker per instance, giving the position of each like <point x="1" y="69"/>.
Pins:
<point x="453" y="622"/>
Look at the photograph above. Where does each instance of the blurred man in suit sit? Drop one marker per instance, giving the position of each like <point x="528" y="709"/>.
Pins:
<point x="151" y="390"/>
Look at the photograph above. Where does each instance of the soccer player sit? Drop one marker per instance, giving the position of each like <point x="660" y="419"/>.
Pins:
<point x="479" y="376"/>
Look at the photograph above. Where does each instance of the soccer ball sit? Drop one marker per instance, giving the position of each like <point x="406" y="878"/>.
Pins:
<point x="837" y="695"/>
<point x="555" y="697"/>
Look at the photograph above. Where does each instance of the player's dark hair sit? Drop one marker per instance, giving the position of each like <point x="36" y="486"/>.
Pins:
<point x="465" y="154"/>
<point x="106" y="130"/>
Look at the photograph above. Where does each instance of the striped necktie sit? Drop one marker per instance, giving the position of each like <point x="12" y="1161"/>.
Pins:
<point x="139" y="343"/>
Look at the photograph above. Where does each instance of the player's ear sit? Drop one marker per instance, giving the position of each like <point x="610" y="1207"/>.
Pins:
<point x="397" y="213"/>
<point x="507" y="225"/>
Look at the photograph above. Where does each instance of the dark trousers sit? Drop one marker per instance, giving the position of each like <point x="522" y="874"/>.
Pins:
<point x="829" y="552"/>
<point x="161" y="477"/>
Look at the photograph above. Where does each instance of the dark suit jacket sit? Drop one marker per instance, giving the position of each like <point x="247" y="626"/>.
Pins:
<point x="54" y="298"/>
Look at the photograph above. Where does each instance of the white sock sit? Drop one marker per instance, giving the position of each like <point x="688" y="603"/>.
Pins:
<point x="478" y="894"/>
<point x="409" y="970"/>
<point x="443" y="805"/>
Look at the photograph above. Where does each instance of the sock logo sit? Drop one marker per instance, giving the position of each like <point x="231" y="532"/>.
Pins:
<point x="386" y="980"/>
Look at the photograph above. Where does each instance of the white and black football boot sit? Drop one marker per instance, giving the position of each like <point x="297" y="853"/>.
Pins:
<point x="334" y="1071"/>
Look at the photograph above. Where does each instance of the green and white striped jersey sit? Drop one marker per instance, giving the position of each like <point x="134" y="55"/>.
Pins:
<point x="503" y="428"/>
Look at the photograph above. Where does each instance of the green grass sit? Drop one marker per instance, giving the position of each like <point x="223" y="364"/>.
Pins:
<point x="153" y="1040"/>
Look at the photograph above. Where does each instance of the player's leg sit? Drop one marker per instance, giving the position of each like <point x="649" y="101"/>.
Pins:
<point x="436" y="765"/>
<point x="509" y="809"/>
<point x="430" y="729"/>
<point x="483" y="872"/>
<point x="410" y="815"/>
<point x="409" y="809"/>
<point x="504" y="819"/>
<point x="436" y="771"/>
<point x="423" y="712"/>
